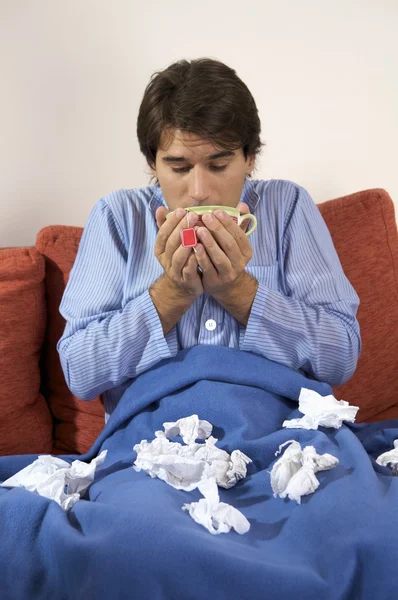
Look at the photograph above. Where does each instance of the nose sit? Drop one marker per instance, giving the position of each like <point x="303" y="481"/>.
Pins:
<point x="199" y="185"/>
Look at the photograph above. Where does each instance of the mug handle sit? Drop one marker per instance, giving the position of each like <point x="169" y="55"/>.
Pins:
<point x="253" y="218"/>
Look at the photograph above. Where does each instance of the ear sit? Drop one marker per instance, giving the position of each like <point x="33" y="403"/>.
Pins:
<point x="153" y="170"/>
<point x="251" y="161"/>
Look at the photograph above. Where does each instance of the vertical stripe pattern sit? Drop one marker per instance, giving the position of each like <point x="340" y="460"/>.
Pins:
<point x="303" y="314"/>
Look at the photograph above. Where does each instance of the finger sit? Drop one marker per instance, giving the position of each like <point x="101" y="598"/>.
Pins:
<point x="174" y="240"/>
<point x="166" y="229"/>
<point x="189" y="272"/>
<point x="222" y="228"/>
<point x="243" y="247"/>
<point x="203" y="260"/>
<point x="243" y="208"/>
<point x="217" y="256"/>
<point x="160" y="215"/>
<point x="180" y="259"/>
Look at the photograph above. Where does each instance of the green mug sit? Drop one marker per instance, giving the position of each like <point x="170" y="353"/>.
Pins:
<point x="230" y="210"/>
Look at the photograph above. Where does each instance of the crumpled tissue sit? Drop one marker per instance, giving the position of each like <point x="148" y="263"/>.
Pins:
<point x="324" y="411"/>
<point x="390" y="458"/>
<point x="217" y="517"/>
<point x="293" y="475"/>
<point x="189" y="428"/>
<point x="57" y="479"/>
<point x="196" y="465"/>
<point x="183" y="467"/>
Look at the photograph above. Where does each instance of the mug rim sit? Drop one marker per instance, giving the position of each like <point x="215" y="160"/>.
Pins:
<point x="212" y="208"/>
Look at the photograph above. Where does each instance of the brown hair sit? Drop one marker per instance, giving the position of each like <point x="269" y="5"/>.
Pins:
<point x="204" y="97"/>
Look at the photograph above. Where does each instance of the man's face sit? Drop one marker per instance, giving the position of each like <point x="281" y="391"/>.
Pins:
<point x="192" y="172"/>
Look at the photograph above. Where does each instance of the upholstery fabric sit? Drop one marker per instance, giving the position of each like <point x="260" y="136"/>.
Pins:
<point x="25" y="422"/>
<point x="76" y="423"/>
<point x="364" y="232"/>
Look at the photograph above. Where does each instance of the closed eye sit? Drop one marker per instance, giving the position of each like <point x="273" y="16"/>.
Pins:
<point x="186" y="169"/>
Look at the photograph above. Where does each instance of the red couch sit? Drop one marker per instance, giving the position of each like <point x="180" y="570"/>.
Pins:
<point x="40" y="415"/>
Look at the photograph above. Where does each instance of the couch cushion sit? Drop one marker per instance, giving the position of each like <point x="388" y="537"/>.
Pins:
<point x="76" y="423"/>
<point x="25" y="423"/>
<point x="364" y="232"/>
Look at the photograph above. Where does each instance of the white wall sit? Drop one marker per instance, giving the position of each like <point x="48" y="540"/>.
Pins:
<point x="324" y="75"/>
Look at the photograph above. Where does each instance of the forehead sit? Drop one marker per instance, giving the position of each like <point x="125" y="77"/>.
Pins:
<point x="176" y="142"/>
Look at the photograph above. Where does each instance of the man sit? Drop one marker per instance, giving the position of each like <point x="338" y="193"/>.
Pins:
<point x="135" y="296"/>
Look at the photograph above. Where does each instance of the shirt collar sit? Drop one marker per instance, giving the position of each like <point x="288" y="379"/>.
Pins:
<point x="249" y="196"/>
<point x="157" y="199"/>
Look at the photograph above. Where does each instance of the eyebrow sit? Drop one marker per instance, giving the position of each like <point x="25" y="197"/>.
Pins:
<point x="172" y="159"/>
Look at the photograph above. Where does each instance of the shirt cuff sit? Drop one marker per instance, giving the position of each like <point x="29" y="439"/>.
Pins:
<point x="167" y="345"/>
<point x="250" y="335"/>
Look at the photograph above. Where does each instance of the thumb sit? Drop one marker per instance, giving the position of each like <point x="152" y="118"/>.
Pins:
<point x="243" y="208"/>
<point x="160" y="215"/>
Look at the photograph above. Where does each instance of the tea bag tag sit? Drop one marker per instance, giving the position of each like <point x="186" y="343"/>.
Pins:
<point x="188" y="238"/>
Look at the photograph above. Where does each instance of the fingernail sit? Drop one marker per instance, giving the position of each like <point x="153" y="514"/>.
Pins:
<point x="220" y="214"/>
<point x="180" y="212"/>
<point x="208" y="218"/>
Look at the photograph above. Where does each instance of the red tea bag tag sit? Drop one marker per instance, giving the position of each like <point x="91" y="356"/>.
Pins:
<point x="188" y="238"/>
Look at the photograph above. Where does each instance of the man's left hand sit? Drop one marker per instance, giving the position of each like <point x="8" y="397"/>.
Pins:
<point x="223" y="252"/>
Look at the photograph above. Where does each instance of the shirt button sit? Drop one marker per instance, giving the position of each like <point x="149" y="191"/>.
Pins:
<point x="210" y="324"/>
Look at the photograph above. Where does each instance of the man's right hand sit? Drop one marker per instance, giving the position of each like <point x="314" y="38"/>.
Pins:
<point x="179" y="263"/>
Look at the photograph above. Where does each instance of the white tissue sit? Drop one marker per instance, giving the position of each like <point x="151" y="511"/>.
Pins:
<point x="170" y="461"/>
<point x="217" y="517"/>
<point x="189" y="428"/>
<point x="183" y="467"/>
<point x="287" y="466"/>
<point x="293" y="475"/>
<point x="228" y="469"/>
<point x="325" y="411"/>
<point x="195" y="465"/>
<point x="57" y="479"/>
<point x="390" y="458"/>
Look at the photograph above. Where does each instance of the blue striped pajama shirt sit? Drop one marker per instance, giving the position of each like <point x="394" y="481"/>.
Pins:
<point x="303" y="314"/>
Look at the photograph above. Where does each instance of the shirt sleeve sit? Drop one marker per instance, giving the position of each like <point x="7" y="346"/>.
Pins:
<point x="311" y="324"/>
<point x="105" y="344"/>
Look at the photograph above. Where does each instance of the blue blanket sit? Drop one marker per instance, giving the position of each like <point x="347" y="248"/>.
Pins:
<point x="129" y="538"/>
